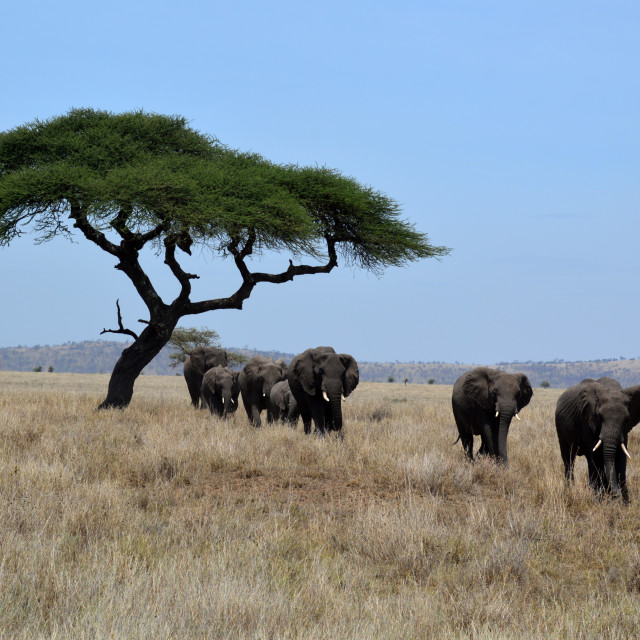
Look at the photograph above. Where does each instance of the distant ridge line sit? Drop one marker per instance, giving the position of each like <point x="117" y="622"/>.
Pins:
<point x="99" y="356"/>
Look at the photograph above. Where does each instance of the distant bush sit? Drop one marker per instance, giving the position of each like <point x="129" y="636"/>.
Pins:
<point x="391" y="379"/>
<point x="37" y="369"/>
<point x="431" y="381"/>
<point x="545" y="384"/>
<point x="50" y="369"/>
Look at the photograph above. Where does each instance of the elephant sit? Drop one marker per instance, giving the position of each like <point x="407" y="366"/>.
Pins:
<point x="283" y="405"/>
<point x="484" y="402"/>
<point x="220" y="390"/>
<point x="593" y="419"/>
<point x="199" y="361"/>
<point x="319" y="378"/>
<point x="256" y="381"/>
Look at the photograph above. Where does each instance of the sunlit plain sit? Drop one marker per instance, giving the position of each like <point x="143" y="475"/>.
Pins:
<point x="162" y="521"/>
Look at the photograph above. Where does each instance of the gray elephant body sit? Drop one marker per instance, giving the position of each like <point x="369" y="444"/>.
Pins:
<point x="484" y="401"/>
<point x="220" y="390"/>
<point x="319" y="378"/>
<point x="283" y="405"/>
<point x="598" y="414"/>
<point x="256" y="381"/>
<point x="199" y="361"/>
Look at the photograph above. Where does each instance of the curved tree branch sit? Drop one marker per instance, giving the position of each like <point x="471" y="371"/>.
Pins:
<point x="90" y="233"/>
<point x="184" y="278"/>
<point x="249" y="280"/>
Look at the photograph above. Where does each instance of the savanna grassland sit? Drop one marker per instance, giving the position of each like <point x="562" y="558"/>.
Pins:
<point x="160" y="521"/>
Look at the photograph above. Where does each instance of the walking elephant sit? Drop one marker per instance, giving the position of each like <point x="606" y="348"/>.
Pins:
<point x="319" y="378"/>
<point x="283" y="405"/>
<point x="199" y="361"/>
<point x="256" y="381"/>
<point x="220" y="390"/>
<point x="484" y="402"/>
<point x="593" y="419"/>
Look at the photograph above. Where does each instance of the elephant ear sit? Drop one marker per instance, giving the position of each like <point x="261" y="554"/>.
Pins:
<point x="198" y="358"/>
<point x="633" y="393"/>
<point x="283" y="366"/>
<point x="526" y="392"/>
<point x="303" y="369"/>
<point x="477" y="387"/>
<point x="588" y="403"/>
<point x="351" y="375"/>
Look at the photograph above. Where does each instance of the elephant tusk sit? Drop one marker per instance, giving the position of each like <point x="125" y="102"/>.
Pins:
<point x="518" y="417"/>
<point x="325" y="396"/>
<point x="626" y="453"/>
<point x="599" y="443"/>
<point x="497" y="413"/>
<point x="222" y="400"/>
<point x="344" y="399"/>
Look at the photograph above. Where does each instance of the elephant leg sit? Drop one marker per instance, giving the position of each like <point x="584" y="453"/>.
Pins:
<point x="597" y="479"/>
<point x="253" y="413"/>
<point x="317" y="411"/>
<point x="293" y="414"/>
<point x="306" y="420"/>
<point x="464" y="435"/>
<point x="255" y="416"/>
<point x="487" y="440"/>
<point x="568" y="454"/>
<point x="467" y="444"/>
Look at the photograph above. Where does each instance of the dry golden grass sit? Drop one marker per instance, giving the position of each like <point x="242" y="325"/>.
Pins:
<point x="162" y="522"/>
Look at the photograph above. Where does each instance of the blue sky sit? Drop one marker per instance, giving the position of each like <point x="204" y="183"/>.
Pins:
<point x="508" y="131"/>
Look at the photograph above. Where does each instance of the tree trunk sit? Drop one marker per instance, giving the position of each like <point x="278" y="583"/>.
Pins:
<point x="132" y="361"/>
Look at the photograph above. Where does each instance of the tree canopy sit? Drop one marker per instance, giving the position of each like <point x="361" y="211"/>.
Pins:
<point x="135" y="179"/>
<point x="185" y="339"/>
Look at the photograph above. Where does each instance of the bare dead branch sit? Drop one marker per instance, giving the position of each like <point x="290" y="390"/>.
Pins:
<point x="121" y="328"/>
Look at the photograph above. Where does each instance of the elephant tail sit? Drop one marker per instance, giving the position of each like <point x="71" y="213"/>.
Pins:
<point x="456" y="442"/>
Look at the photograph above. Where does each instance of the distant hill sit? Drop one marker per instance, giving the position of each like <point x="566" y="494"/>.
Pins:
<point x="99" y="356"/>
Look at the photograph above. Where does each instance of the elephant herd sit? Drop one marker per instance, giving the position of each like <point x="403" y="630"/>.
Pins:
<point x="312" y="386"/>
<point x="593" y="419"/>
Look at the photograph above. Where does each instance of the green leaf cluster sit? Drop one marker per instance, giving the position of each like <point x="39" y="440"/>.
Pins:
<point x="136" y="171"/>
<point x="185" y="339"/>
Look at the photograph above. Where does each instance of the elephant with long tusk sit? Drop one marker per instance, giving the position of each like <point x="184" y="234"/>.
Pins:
<point x="484" y="401"/>
<point x="593" y="419"/>
<point x="319" y="380"/>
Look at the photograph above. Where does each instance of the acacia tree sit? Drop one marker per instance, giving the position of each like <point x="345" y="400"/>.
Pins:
<point x="185" y="339"/>
<point x="131" y="180"/>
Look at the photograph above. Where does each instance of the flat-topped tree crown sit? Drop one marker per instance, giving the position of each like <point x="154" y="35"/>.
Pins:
<point x="132" y="179"/>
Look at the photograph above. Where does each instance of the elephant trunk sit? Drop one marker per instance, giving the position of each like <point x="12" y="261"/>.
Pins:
<point x="226" y="403"/>
<point x="334" y="393"/>
<point x="506" y="413"/>
<point x="609" y="451"/>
